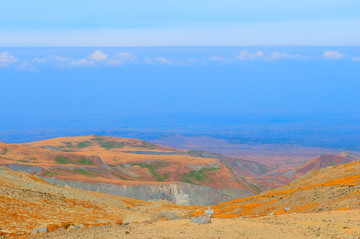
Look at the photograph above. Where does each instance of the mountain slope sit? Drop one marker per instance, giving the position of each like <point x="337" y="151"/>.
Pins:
<point x="27" y="202"/>
<point x="280" y="177"/>
<point x="107" y="161"/>
<point x="325" y="160"/>
<point x="331" y="188"/>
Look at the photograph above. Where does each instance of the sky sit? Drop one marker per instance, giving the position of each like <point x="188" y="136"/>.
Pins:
<point x="179" y="23"/>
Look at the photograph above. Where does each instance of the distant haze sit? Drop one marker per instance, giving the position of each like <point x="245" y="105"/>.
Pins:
<point x="182" y="89"/>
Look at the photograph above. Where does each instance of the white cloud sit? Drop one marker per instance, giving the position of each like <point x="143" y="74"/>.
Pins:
<point x="163" y="60"/>
<point x="120" y="58"/>
<point x="7" y="59"/>
<point x="68" y="61"/>
<point x="193" y="60"/>
<point x="217" y="58"/>
<point x="124" y="55"/>
<point x="81" y="62"/>
<point x="61" y="58"/>
<point x="148" y="61"/>
<point x="333" y="55"/>
<point x="98" y="56"/>
<point x="245" y="55"/>
<point x="357" y="58"/>
<point x="275" y="55"/>
<point x="39" y="60"/>
<point x="114" y="62"/>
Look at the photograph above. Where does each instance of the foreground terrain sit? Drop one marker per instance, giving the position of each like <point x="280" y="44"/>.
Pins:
<point x="334" y="224"/>
<point x="323" y="201"/>
<point x="27" y="202"/>
<point x="322" y="204"/>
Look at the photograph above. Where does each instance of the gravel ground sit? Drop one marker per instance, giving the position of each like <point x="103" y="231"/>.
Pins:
<point x="334" y="224"/>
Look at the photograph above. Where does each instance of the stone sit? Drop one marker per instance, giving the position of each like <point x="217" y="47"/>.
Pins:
<point x="287" y="208"/>
<point x="168" y="215"/>
<point x="40" y="230"/>
<point x="200" y="220"/>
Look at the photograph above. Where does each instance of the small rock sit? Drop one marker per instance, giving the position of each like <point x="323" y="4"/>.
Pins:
<point x="270" y="214"/>
<point x="287" y="208"/>
<point x="127" y="232"/>
<point x="75" y="227"/>
<point x="61" y="229"/>
<point x="39" y="230"/>
<point x="168" y="215"/>
<point x="200" y="220"/>
<point x="147" y="222"/>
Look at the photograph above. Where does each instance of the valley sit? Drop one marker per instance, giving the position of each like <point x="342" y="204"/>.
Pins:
<point x="324" y="200"/>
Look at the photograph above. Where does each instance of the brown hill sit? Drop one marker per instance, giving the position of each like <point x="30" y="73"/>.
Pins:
<point x="121" y="161"/>
<point x="331" y="188"/>
<point x="325" y="160"/>
<point x="279" y="177"/>
<point x="27" y="202"/>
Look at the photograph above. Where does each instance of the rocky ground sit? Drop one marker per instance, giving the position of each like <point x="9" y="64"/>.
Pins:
<point x="28" y="203"/>
<point x="333" y="224"/>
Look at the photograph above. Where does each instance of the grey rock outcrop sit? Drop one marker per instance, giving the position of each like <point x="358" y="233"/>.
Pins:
<point x="179" y="193"/>
<point x="40" y="230"/>
<point x="25" y="168"/>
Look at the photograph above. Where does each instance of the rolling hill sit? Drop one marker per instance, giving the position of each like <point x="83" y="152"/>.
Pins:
<point x="123" y="166"/>
<point x="326" y="189"/>
<point x="277" y="178"/>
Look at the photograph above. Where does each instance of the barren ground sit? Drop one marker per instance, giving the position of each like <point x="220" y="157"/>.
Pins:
<point x="334" y="224"/>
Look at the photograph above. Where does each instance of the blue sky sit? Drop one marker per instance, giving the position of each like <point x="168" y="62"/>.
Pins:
<point x="179" y="23"/>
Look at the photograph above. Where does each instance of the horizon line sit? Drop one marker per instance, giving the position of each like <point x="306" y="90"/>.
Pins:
<point x="167" y="46"/>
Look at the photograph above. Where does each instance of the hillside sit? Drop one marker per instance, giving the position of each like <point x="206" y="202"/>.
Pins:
<point x="103" y="163"/>
<point x="325" y="160"/>
<point x="280" y="177"/>
<point x="331" y="188"/>
<point x="325" y="202"/>
<point x="27" y="202"/>
<point x="322" y="204"/>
